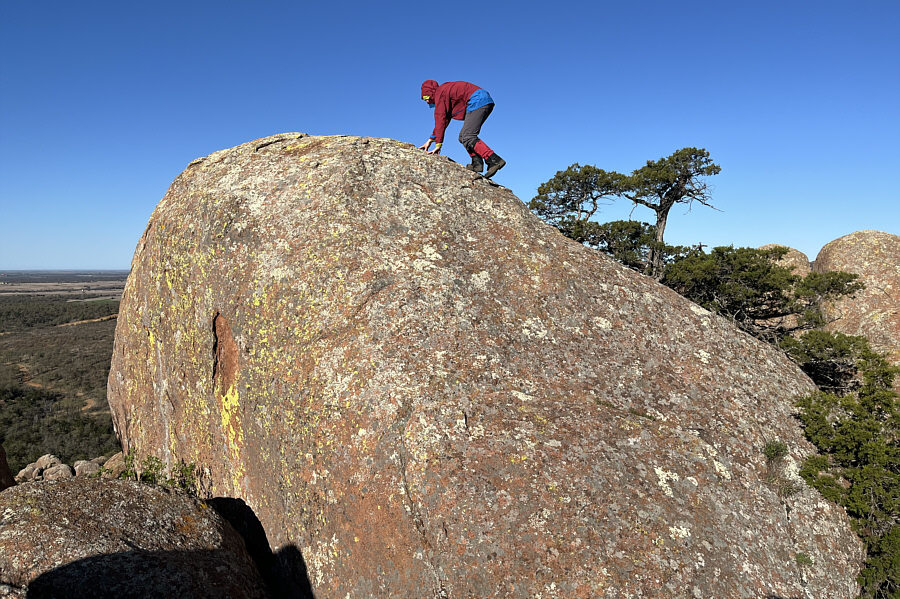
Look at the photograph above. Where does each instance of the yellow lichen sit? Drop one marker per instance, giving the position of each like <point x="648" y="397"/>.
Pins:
<point x="234" y="434"/>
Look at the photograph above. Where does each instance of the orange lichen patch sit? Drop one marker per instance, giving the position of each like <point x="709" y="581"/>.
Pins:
<point x="225" y="367"/>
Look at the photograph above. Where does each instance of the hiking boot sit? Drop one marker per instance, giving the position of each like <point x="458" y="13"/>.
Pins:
<point x="494" y="163"/>
<point x="477" y="164"/>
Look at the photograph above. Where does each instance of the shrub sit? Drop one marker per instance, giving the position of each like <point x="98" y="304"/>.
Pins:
<point x="152" y="471"/>
<point x="858" y="437"/>
<point x="750" y="287"/>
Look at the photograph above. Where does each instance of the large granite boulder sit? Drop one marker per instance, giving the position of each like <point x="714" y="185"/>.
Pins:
<point x="874" y="312"/>
<point x="114" y="538"/>
<point x="798" y="263"/>
<point x="795" y="260"/>
<point x="431" y="393"/>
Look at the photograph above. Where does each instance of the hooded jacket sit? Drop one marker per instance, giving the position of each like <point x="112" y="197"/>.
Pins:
<point x="450" y="102"/>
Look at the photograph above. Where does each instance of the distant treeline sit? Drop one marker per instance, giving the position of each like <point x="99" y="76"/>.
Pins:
<point x="61" y="276"/>
<point x="20" y="312"/>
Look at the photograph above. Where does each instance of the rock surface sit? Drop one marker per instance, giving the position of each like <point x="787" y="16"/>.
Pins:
<point x="50" y="467"/>
<point x="114" y="466"/>
<point x="57" y="472"/>
<point x="796" y="260"/>
<point x="874" y="312"/>
<point x="112" y="538"/>
<point x="433" y="394"/>
<point x="87" y="468"/>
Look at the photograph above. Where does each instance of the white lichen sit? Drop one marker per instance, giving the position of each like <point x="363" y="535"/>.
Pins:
<point x="664" y="477"/>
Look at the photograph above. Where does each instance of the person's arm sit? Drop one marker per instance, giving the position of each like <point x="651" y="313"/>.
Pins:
<point x="441" y="120"/>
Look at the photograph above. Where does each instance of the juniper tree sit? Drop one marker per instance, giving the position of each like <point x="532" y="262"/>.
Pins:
<point x="662" y="183"/>
<point x="749" y="286"/>
<point x="572" y="197"/>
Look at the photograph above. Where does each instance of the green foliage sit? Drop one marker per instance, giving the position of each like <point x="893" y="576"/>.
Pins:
<point x="72" y="361"/>
<point x="152" y="471"/>
<point x="803" y="559"/>
<point x="572" y="197"/>
<point x="19" y="312"/>
<point x="834" y="360"/>
<point x="675" y="178"/>
<point x="627" y="241"/>
<point x="816" y="287"/>
<point x="34" y="422"/>
<point x="53" y="379"/>
<point x="742" y="283"/>
<point x="775" y="450"/>
<point x="858" y="437"/>
<point x="749" y="286"/>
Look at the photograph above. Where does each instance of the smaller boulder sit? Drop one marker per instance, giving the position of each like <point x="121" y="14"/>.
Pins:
<point x="26" y="474"/>
<point x="47" y="461"/>
<point x="58" y="472"/>
<point x="84" y="468"/>
<point x="874" y="312"/>
<point x="795" y="260"/>
<point x="114" y="466"/>
<point x="96" y="538"/>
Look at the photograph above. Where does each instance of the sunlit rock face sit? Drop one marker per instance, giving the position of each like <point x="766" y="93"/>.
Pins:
<point x="431" y="393"/>
<point x="873" y="312"/>
<point x="795" y="260"/>
<point x="798" y="263"/>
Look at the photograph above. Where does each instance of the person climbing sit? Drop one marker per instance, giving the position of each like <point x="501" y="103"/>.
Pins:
<point x="465" y="102"/>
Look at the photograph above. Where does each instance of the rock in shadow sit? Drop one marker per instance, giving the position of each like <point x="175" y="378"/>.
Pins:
<point x="191" y="574"/>
<point x="165" y="574"/>
<point x="284" y="572"/>
<point x="149" y="574"/>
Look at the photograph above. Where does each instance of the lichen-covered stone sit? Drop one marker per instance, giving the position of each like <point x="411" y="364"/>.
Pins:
<point x="85" y="468"/>
<point x="47" y="461"/>
<point x="434" y="394"/>
<point x="795" y="260"/>
<point x="26" y="473"/>
<point x="113" y="538"/>
<point x="57" y="472"/>
<point x="114" y="466"/>
<point x="874" y="312"/>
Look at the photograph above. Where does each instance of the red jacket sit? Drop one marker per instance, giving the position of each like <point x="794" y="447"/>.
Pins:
<point x="450" y="103"/>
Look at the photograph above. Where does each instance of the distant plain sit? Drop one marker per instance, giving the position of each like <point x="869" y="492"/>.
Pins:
<point x="56" y="338"/>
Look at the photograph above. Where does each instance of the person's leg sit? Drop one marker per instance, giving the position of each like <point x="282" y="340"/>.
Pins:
<point x="468" y="134"/>
<point x="477" y="149"/>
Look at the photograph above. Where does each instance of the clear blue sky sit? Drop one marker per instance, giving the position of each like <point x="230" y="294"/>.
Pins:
<point x="103" y="104"/>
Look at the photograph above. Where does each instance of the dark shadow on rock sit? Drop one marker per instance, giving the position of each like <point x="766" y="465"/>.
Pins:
<point x="149" y="574"/>
<point x="202" y="574"/>
<point x="284" y="572"/>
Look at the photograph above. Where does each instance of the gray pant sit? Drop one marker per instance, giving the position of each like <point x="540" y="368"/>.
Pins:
<point x="468" y="135"/>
